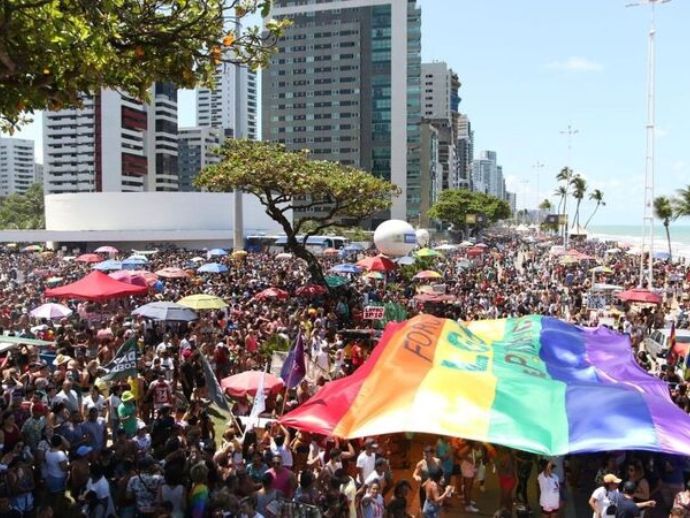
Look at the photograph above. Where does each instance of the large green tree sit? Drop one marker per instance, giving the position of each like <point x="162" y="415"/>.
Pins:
<point x="454" y="205"/>
<point x="23" y="211"/>
<point x="663" y="209"/>
<point x="320" y="194"/>
<point x="54" y="51"/>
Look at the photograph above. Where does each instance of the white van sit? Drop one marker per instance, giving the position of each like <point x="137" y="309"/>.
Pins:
<point x="658" y="341"/>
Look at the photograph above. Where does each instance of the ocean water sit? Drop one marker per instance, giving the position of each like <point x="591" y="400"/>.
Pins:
<point x="632" y="234"/>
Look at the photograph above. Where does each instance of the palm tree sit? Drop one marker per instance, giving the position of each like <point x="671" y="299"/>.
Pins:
<point x="579" y="189"/>
<point x="561" y="192"/>
<point x="597" y="196"/>
<point x="545" y="205"/>
<point x="663" y="209"/>
<point x="565" y="175"/>
<point x="681" y="204"/>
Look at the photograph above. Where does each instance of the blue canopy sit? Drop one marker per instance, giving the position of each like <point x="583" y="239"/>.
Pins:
<point x="212" y="268"/>
<point x="108" y="266"/>
<point x="346" y="268"/>
<point x="217" y="252"/>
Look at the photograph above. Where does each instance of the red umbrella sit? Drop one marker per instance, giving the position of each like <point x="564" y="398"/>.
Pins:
<point x="474" y="251"/>
<point x="379" y="263"/>
<point x="129" y="277"/>
<point x="272" y="293"/>
<point x="311" y="290"/>
<point x="247" y="383"/>
<point x="96" y="286"/>
<point x="89" y="258"/>
<point x="640" y="295"/>
<point x="434" y="297"/>
<point x="172" y="272"/>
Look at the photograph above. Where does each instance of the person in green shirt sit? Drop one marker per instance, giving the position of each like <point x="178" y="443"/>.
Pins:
<point x="127" y="413"/>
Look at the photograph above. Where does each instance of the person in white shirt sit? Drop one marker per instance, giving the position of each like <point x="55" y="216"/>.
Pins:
<point x="366" y="460"/>
<point x="549" y="491"/>
<point x="605" y="495"/>
<point x="279" y="447"/>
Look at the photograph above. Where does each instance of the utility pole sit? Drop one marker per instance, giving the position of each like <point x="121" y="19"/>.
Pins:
<point x="648" y="211"/>
<point x="570" y="132"/>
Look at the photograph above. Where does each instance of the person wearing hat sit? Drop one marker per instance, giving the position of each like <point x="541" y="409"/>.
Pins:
<point x="605" y="495"/>
<point x="127" y="413"/>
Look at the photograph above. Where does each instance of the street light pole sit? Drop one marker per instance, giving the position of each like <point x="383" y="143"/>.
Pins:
<point x="648" y="211"/>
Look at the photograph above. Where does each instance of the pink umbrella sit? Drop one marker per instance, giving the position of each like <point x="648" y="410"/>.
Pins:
<point x="378" y="263"/>
<point x="89" y="258"/>
<point x="106" y="250"/>
<point x="640" y="295"/>
<point x="247" y="383"/>
<point x="272" y="293"/>
<point x="172" y="273"/>
<point x="311" y="290"/>
<point x="129" y="277"/>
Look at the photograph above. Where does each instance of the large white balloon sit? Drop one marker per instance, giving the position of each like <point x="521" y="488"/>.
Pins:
<point x="395" y="238"/>
<point x="422" y="236"/>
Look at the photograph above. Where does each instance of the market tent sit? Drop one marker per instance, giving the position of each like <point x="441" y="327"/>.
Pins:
<point x="641" y="296"/>
<point x="95" y="286"/>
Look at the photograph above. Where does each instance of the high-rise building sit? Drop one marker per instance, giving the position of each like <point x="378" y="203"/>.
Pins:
<point x="112" y="143"/>
<point x="440" y="102"/>
<point x="232" y="105"/>
<point x="38" y="173"/>
<point x="17" y="171"/>
<point x="465" y="152"/>
<point x="345" y="83"/>
<point x="429" y="172"/>
<point x="487" y="175"/>
<point x="196" y="150"/>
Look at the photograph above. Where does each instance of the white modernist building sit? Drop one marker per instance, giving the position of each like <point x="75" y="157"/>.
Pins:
<point x="17" y="169"/>
<point x="146" y="219"/>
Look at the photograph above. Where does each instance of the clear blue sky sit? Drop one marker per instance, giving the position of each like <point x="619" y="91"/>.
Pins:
<point x="530" y="68"/>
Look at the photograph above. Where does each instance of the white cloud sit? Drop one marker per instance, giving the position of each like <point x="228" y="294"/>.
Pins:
<point x="576" y="64"/>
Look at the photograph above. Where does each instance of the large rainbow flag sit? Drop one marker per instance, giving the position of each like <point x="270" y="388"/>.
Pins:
<point x="532" y="383"/>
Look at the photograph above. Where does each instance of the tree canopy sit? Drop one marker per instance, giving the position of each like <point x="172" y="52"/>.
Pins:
<point x="23" y="211"/>
<point x="321" y="194"/>
<point x="54" y="51"/>
<point x="454" y="205"/>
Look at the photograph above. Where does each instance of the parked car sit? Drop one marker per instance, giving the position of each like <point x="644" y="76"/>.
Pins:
<point x="657" y="343"/>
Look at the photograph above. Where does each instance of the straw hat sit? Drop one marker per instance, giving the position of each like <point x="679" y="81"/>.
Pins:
<point x="61" y="359"/>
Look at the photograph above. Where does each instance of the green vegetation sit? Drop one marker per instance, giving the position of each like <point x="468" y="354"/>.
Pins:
<point x="54" y="51"/>
<point x="23" y="211"/>
<point x="663" y="210"/>
<point x="455" y="205"/>
<point x="322" y="193"/>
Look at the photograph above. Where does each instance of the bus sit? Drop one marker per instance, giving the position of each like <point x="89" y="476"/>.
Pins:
<point x="315" y="244"/>
<point x="259" y="243"/>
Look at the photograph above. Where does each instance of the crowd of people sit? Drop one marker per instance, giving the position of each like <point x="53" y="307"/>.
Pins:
<point x="153" y="444"/>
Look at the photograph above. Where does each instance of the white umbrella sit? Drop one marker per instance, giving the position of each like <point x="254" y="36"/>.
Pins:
<point x="284" y="255"/>
<point x="169" y="311"/>
<point x="51" y="311"/>
<point x="405" y="260"/>
<point x="445" y="247"/>
<point x="465" y="244"/>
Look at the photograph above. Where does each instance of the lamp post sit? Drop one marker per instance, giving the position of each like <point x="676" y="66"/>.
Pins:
<point x="648" y="210"/>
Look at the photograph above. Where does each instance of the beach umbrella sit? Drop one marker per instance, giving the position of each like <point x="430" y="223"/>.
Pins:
<point x="32" y="248"/>
<point x="640" y="295"/>
<point x="405" y="260"/>
<point x="136" y="259"/>
<point x="172" y="273"/>
<point x="427" y="274"/>
<point x="51" y="311"/>
<point x="378" y="276"/>
<point x="216" y="252"/>
<point x="272" y="293"/>
<point x="613" y="251"/>
<point x="346" y="268"/>
<point x="464" y="264"/>
<point x="601" y="269"/>
<point x="247" y="383"/>
<point x="149" y="277"/>
<point x="203" y="301"/>
<point x="377" y="263"/>
<point x="567" y="260"/>
<point x="283" y="256"/>
<point x="311" y="290"/>
<point x="474" y="251"/>
<point x="434" y="297"/>
<point x="447" y="247"/>
<point x="108" y="265"/>
<point x="212" y="268"/>
<point x="427" y="252"/>
<point x="197" y="259"/>
<point x="482" y="245"/>
<point x="239" y="253"/>
<point x="89" y="258"/>
<point x="466" y="244"/>
<point x="129" y="277"/>
<point x="106" y="250"/>
<point x="335" y="281"/>
<point x="167" y="311"/>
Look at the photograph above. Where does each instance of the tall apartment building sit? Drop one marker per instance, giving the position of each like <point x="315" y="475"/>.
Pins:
<point x="465" y="152"/>
<point x="196" y="147"/>
<point x="17" y="170"/>
<point x="232" y="105"/>
<point x="345" y="83"/>
<point x="38" y="173"/>
<point x="113" y="143"/>
<point x="430" y="170"/>
<point x="487" y="175"/>
<point x="440" y="103"/>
